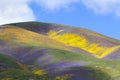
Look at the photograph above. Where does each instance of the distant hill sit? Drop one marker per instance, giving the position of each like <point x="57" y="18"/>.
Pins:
<point x="57" y="52"/>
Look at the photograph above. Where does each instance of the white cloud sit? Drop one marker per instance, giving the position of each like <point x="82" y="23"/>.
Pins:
<point x="98" y="6"/>
<point x="19" y="10"/>
<point x="15" y="11"/>
<point x="103" y="6"/>
<point x="53" y="5"/>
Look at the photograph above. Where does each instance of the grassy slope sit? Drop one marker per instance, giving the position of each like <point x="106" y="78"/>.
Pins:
<point x="50" y="26"/>
<point x="98" y="42"/>
<point x="8" y="62"/>
<point x="110" y="67"/>
<point x="11" y="70"/>
<point x="19" y="35"/>
<point x="63" y="57"/>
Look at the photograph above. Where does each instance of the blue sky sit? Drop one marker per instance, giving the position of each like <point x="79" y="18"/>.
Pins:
<point x="102" y="16"/>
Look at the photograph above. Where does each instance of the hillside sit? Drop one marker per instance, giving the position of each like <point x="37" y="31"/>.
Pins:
<point x="19" y="35"/>
<point x="91" y="42"/>
<point x="47" y="51"/>
<point x="10" y="69"/>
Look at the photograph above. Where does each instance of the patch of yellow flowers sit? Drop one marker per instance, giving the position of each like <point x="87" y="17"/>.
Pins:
<point x="78" y="41"/>
<point x="39" y="72"/>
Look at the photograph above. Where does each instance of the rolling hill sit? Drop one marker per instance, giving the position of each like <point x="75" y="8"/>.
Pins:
<point x="57" y="52"/>
<point x="91" y="42"/>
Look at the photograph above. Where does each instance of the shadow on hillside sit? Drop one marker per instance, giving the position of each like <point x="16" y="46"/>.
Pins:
<point x="82" y="73"/>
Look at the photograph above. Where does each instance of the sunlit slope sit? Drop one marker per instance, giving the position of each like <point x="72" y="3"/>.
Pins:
<point x="19" y="35"/>
<point x="44" y="28"/>
<point x="89" y="41"/>
<point x="46" y="49"/>
<point x="76" y="40"/>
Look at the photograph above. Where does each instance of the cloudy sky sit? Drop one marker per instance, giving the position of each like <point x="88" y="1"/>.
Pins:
<point x="102" y="16"/>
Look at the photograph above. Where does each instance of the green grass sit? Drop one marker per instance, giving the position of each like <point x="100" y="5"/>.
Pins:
<point x="12" y="71"/>
<point x="8" y="61"/>
<point x="16" y="74"/>
<point x="110" y="67"/>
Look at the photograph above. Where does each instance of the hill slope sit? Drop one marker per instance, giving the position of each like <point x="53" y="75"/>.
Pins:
<point x="91" y="42"/>
<point x="58" y="52"/>
<point x="19" y="35"/>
